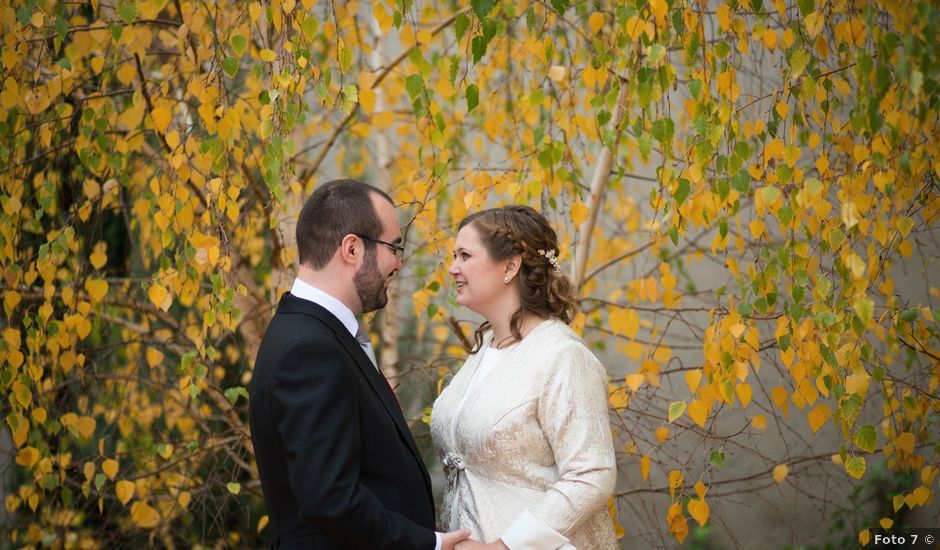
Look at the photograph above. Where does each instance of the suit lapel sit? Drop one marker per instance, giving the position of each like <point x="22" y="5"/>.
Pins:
<point x="290" y="303"/>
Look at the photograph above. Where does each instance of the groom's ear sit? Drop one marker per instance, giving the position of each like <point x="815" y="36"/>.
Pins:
<point x="350" y="250"/>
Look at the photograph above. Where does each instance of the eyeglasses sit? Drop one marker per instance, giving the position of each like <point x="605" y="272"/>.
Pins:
<point x="397" y="249"/>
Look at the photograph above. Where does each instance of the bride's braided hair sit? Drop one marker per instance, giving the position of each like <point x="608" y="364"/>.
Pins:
<point x="543" y="289"/>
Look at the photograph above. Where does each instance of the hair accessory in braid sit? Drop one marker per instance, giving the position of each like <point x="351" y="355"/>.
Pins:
<point x="552" y="259"/>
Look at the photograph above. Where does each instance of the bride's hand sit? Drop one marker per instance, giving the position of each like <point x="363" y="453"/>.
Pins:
<point x="474" y="545"/>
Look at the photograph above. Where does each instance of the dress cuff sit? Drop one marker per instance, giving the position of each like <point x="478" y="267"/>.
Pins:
<point x="528" y="532"/>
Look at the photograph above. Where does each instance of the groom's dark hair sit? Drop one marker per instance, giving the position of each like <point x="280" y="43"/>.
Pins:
<point x="336" y="209"/>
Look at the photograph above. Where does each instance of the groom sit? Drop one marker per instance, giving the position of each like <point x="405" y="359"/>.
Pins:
<point x="338" y="465"/>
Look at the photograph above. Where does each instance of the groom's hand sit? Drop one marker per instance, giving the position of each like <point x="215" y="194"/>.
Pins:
<point x="449" y="540"/>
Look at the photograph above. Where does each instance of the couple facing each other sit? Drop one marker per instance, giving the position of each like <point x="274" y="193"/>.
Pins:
<point x="522" y="429"/>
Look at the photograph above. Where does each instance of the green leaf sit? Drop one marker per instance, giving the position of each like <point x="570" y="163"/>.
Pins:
<point x="676" y="408"/>
<point x="473" y="97"/>
<point x="482" y="7"/>
<point x="309" y="27"/>
<point x="717" y="458"/>
<point x="722" y="49"/>
<point x="909" y="315"/>
<point x="230" y="66"/>
<point x="232" y="394"/>
<point x="695" y="88"/>
<point x="866" y="438"/>
<point x="850" y="408"/>
<point x="127" y="11"/>
<point x="682" y="191"/>
<point x="23" y="15"/>
<point x="664" y="129"/>
<point x="240" y="43"/>
<point x="461" y="25"/>
<point x="61" y="27"/>
<point x="478" y="47"/>
<point x="864" y="308"/>
<point x="415" y="85"/>
<point x="489" y="29"/>
<point x="560" y="6"/>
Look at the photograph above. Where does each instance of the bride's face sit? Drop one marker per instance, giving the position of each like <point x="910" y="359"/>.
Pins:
<point x="480" y="280"/>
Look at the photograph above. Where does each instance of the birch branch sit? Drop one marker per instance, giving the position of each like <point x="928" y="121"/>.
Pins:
<point x="597" y="190"/>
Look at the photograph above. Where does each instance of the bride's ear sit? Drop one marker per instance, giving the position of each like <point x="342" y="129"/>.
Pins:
<point x="513" y="265"/>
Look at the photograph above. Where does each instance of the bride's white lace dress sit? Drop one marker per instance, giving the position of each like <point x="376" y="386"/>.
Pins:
<point x="528" y="452"/>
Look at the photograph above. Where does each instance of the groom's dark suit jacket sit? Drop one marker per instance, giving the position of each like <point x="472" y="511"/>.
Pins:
<point x="338" y="465"/>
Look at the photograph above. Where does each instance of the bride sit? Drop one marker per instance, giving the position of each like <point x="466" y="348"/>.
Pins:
<point x="523" y="429"/>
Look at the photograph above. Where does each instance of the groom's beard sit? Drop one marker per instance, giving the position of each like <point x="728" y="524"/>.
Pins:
<point x="370" y="284"/>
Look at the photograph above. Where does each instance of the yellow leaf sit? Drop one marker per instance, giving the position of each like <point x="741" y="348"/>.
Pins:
<point x="782" y="108"/>
<point x="676" y="479"/>
<point x="678" y="525"/>
<point x="96" y="288"/>
<point x="125" y="491"/>
<point x="662" y="434"/>
<point x="625" y="321"/>
<point x="897" y="502"/>
<point x="154" y="357"/>
<point x="85" y="426"/>
<point x="724" y="17"/>
<point x="757" y="228"/>
<point x="367" y="99"/>
<point x="814" y="24"/>
<point x="557" y="73"/>
<point x="906" y="442"/>
<point x="98" y="258"/>
<point x="855" y="264"/>
<point x="161" y="118"/>
<point x="818" y="416"/>
<point x="744" y="393"/>
<point x="125" y="74"/>
<point x="267" y="55"/>
<point x="234" y="488"/>
<point x="97" y="63"/>
<point x="864" y="537"/>
<point x="618" y="397"/>
<point x="759" y="422"/>
<point x="579" y="213"/>
<point x="922" y="495"/>
<point x="780" y="473"/>
<point x="159" y="296"/>
<point x="737" y="330"/>
<point x="27" y="457"/>
<point x="886" y="523"/>
<point x="144" y="516"/>
<point x="770" y="39"/>
<point x="263" y="522"/>
<point x="855" y="467"/>
<point x="700" y="489"/>
<point x="110" y="468"/>
<point x="596" y="22"/>
<point x="698" y="412"/>
<point x="645" y="467"/>
<point x="173" y="139"/>
<point x="658" y="8"/>
<point x="693" y="378"/>
<point x="184" y="498"/>
<point x="699" y="511"/>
